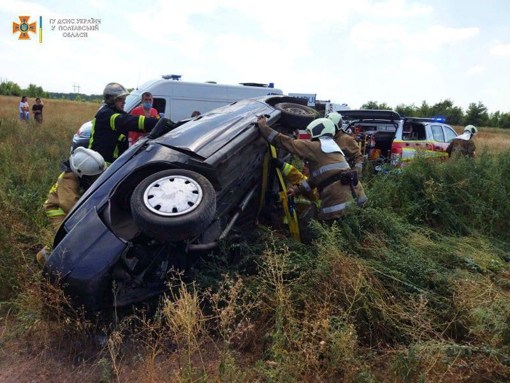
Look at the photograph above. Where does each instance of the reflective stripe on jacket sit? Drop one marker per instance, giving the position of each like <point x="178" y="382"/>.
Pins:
<point x="63" y="195"/>
<point x="109" y="130"/>
<point x="351" y="149"/>
<point x="322" y="166"/>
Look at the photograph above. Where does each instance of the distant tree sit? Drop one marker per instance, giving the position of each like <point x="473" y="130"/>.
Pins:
<point x="494" y="119"/>
<point x="452" y="114"/>
<point x="476" y="114"/>
<point x="407" y="110"/>
<point x="375" y="105"/>
<point x="424" y="110"/>
<point x="130" y="89"/>
<point x="504" y="121"/>
<point x="9" y="88"/>
<point x="31" y="91"/>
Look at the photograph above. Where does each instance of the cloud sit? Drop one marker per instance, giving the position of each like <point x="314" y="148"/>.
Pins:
<point x="417" y="65"/>
<point x="397" y="9"/>
<point x="371" y="35"/>
<point x="500" y="50"/>
<point x="477" y="69"/>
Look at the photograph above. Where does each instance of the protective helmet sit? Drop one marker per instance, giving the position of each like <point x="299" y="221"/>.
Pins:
<point x="86" y="162"/>
<point x="321" y="127"/>
<point x="337" y="120"/>
<point x="112" y="91"/>
<point x="471" y="129"/>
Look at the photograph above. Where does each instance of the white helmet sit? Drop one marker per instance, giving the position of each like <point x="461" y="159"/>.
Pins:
<point x="86" y="162"/>
<point x="321" y="127"/>
<point x="112" y="91"/>
<point x="471" y="129"/>
<point x="337" y="120"/>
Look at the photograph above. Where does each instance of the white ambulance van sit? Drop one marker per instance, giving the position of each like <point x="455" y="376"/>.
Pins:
<point x="177" y="99"/>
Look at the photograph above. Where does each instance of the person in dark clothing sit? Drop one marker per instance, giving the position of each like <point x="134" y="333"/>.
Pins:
<point x="37" y="110"/>
<point x="111" y="124"/>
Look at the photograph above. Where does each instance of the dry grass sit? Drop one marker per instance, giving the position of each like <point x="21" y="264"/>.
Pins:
<point x="55" y="112"/>
<point x="495" y="140"/>
<point x="376" y="303"/>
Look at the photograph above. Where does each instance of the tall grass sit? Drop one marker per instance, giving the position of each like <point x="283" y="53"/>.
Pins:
<point x="414" y="287"/>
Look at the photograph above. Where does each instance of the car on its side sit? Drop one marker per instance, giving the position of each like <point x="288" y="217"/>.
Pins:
<point x="386" y="137"/>
<point x="171" y="195"/>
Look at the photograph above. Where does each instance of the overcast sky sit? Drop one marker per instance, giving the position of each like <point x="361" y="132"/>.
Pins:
<point x="347" y="51"/>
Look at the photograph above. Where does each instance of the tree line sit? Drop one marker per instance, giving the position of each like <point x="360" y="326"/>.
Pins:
<point x="9" y="88"/>
<point x="476" y="114"/>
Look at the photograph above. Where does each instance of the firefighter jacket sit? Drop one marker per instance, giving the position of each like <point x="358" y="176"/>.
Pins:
<point x="303" y="198"/>
<point x="109" y="130"/>
<point x="334" y="197"/>
<point x="464" y="147"/>
<point x="351" y="149"/>
<point x="62" y="197"/>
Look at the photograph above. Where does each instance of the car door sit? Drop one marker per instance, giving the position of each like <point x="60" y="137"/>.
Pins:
<point x="436" y="140"/>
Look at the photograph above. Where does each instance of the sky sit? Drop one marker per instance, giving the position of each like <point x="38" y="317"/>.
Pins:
<point x="345" y="51"/>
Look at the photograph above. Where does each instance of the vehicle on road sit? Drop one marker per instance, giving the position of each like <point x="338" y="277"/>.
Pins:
<point x="167" y="197"/>
<point x="177" y="99"/>
<point x="386" y="137"/>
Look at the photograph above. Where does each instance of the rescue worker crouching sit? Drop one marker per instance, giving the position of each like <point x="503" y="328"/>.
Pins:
<point x="111" y="124"/>
<point x="327" y="165"/>
<point x="302" y="199"/>
<point x="78" y="174"/>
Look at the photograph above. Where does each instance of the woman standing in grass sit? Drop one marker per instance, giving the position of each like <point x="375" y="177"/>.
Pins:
<point x="24" y="109"/>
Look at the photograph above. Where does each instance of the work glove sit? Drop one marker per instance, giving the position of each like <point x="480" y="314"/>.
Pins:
<point x="163" y="126"/>
<point x="277" y="163"/>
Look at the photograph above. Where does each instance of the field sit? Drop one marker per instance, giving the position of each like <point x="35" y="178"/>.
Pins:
<point x="413" y="288"/>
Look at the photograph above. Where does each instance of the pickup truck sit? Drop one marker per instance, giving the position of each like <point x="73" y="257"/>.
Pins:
<point x="386" y="137"/>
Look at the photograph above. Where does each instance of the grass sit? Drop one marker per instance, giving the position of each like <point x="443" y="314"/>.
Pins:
<point x="414" y="287"/>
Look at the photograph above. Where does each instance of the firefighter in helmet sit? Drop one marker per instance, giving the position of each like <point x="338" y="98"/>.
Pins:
<point x="464" y="143"/>
<point x="329" y="171"/>
<point x="111" y="124"/>
<point x="78" y="173"/>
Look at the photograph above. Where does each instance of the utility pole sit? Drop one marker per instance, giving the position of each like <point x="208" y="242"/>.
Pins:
<point x="76" y="86"/>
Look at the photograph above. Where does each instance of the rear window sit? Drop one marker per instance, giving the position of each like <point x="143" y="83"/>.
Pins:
<point x="414" y="132"/>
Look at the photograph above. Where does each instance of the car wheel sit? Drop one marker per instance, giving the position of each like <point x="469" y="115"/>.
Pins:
<point x="173" y="205"/>
<point x="296" y="115"/>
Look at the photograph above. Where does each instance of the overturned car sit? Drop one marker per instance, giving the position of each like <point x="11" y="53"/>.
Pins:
<point x="165" y="198"/>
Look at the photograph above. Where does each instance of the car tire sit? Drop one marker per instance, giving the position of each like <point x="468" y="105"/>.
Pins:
<point x="296" y="115"/>
<point x="173" y="205"/>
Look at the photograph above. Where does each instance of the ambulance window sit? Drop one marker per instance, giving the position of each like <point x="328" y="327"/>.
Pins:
<point x="159" y="104"/>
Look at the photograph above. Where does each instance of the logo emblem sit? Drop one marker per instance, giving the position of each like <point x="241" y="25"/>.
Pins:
<point x="24" y="27"/>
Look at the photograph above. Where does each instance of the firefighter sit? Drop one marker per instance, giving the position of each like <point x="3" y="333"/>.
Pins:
<point x="302" y="198"/>
<point x="347" y="143"/>
<point x="350" y="148"/>
<point x="111" y="124"/>
<point x="464" y="143"/>
<point x="79" y="172"/>
<point x="329" y="171"/>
